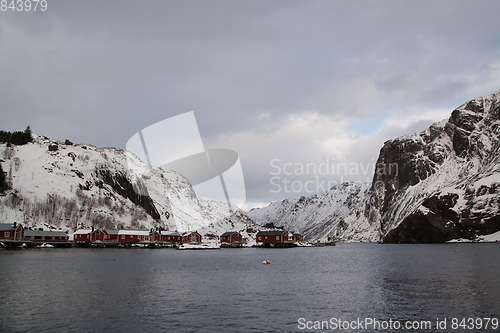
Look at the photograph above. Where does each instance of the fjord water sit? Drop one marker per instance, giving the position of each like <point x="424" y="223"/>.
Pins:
<point x="230" y="290"/>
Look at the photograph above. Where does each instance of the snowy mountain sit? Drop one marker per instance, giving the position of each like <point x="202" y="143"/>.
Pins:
<point x="434" y="186"/>
<point x="314" y="216"/>
<point x="65" y="186"/>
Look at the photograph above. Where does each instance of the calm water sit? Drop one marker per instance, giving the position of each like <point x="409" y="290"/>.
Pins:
<point x="230" y="290"/>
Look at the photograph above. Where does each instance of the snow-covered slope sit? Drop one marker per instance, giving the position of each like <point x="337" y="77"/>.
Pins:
<point x="68" y="186"/>
<point x="434" y="186"/>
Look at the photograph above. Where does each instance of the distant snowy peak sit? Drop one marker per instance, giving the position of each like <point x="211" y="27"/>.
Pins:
<point x="313" y="216"/>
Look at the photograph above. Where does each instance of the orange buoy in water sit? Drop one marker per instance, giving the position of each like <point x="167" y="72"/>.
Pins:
<point x="268" y="262"/>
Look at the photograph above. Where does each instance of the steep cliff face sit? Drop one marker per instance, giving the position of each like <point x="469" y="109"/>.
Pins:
<point x="442" y="183"/>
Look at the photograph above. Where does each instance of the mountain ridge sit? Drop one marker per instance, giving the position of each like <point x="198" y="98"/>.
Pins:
<point x="64" y="186"/>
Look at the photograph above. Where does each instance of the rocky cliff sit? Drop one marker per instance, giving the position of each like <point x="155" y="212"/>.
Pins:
<point x="447" y="181"/>
<point x="434" y="186"/>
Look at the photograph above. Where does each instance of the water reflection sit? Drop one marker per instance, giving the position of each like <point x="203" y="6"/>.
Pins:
<point x="123" y="290"/>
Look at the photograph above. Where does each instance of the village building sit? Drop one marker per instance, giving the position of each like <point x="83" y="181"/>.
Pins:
<point x="92" y="235"/>
<point x="133" y="236"/>
<point x="231" y="237"/>
<point x="295" y="237"/>
<point x="171" y="236"/>
<point x="278" y="238"/>
<point x="98" y="236"/>
<point x="155" y="236"/>
<point x="192" y="237"/>
<point x="109" y="237"/>
<point x="82" y="236"/>
<point x="11" y="233"/>
<point x="38" y="237"/>
<point x="112" y="236"/>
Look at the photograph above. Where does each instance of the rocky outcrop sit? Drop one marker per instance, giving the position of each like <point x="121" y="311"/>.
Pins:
<point x="124" y="187"/>
<point x="441" y="218"/>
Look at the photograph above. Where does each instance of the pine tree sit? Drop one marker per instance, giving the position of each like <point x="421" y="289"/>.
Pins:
<point x="27" y="135"/>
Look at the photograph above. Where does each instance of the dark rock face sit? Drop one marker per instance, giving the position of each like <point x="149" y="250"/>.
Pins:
<point x="121" y="184"/>
<point x="442" y="223"/>
<point x="4" y="185"/>
<point x="444" y="181"/>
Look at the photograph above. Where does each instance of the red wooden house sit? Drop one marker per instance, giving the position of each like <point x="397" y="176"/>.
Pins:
<point x="273" y="236"/>
<point x="296" y="237"/>
<point x="231" y="237"/>
<point x="155" y="236"/>
<point x="82" y="236"/>
<point x="134" y="236"/>
<point x="112" y="236"/>
<point x="11" y="232"/>
<point x="191" y="237"/>
<point x="90" y="236"/>
<point x="98" y="236"/>
<point x="171" y="236"/>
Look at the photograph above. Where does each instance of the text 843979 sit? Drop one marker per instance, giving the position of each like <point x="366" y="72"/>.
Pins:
<point x="23" y="5"/>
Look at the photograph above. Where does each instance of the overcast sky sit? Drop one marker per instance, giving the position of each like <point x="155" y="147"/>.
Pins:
<point x="282" y="83"/>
